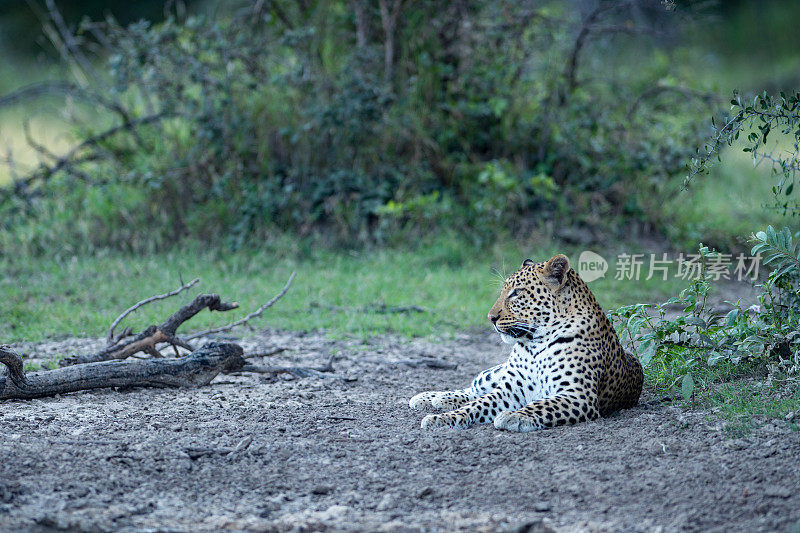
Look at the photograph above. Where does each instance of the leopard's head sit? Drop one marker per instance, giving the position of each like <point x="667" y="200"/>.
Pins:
<point x="528" y="300"/>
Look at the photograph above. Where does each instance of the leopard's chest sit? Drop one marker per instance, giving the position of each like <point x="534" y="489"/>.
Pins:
<point x="540" y="371"/>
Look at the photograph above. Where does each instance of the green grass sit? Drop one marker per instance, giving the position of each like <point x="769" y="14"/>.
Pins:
<point x="737" y="394"/>
<point x="747" y="404"/>
<point x="457" y="284"/>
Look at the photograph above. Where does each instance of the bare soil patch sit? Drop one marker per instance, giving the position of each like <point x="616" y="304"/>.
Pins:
<point x="343" y="451"/>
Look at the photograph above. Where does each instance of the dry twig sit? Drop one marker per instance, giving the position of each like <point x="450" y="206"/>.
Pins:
<point x="297" y="371"/>
<point x="249" y="317"/>
<point x="270" y="353"/>
<point x="110" y="337"/>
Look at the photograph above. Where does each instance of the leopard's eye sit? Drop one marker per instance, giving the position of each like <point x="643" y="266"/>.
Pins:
<point x="513" y="293"/>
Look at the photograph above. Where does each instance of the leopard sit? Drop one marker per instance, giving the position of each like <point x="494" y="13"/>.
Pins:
<point x="566" y="365"/>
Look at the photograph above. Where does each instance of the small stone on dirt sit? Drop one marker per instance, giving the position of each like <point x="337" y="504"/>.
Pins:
<point x="322" y="490"/>
<point x="777" y="492"/>
<point x="425" y="493"/>
<point x="542" y="507"/>
<point x="386" y="503"/>
<point x="534" y="526"/>
<point x="656" y="447"/>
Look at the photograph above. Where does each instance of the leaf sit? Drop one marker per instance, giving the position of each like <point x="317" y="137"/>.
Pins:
<point x="732" y="316"/>
<point x="648" y="354"/>
<point x="706" y="339"/>
<point x="771" y="234"/>
<point x="687" y="386"/>
<point x="695" y="321"/>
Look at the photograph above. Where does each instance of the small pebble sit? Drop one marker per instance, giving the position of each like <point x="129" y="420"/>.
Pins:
<point x="424" y="493"/>
<point x="321" y="490"/>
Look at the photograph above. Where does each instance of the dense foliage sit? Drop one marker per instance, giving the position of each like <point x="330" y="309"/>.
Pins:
<point x="367" y="120"/>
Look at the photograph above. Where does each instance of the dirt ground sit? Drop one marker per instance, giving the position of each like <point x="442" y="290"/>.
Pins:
<point x="344" y="452"/>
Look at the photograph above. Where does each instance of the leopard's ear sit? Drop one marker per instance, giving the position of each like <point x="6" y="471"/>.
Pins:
<point x="555" y="271"/>
<point x="527" y="263"/>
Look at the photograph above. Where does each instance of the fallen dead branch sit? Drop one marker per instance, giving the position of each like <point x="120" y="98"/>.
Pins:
<point x="126" y="345"/>
<point x="196" y="369"/>
<point x="270" y="353"/>
<point x="103" y="369"/>
<point x="196" y="453"/>
<point x="147" y="340"/>
<point x="430" y="363"/>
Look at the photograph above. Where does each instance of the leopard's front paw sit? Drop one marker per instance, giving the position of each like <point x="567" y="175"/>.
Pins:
<point x="515" y="421"/>
<point x="423" y="400"/>
<point x="436" y="400"/>
<point x="443" y="421"/>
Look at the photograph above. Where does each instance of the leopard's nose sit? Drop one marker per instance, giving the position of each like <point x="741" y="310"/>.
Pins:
<point x="492" y="317"/>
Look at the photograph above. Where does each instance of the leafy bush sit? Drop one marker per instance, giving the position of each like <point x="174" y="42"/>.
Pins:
<point x="676" y="346"/>
<point x="362" y="121"/>
<point x="767" y="335"/>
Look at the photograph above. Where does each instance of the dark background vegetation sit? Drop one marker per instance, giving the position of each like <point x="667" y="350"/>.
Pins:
<point x="353" y="124"/>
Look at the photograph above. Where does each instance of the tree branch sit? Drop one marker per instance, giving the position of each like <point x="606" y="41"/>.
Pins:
<point x="587" y="28"/>
<point x="166" y="332"/>
<point x="36" y="90"/>
<point x="655" y="90"/>
<point x="249" y="317"/>
<point x="389" y="23"/>
<point x="44" y="172"/>
<point x="128" y="311"/>
<point x="68" y="39"/>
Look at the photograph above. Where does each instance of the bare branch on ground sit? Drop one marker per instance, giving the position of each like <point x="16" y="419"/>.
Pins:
<point x="297" y="371"/>
<point x="147" y="340"/>
<point x="125" y="344"/>
<point x="195" y="370"/>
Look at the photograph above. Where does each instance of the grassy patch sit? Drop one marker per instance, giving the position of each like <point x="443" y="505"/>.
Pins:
<point x="337" y="291"/>
<point x="745" y="405"/>
<point x="729" y="204"/>
<point x="737" y="394"/>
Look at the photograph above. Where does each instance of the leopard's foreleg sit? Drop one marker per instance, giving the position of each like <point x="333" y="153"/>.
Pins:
<point x="548" y="412"/>
<point x="480" y="411"/>
<point x="483" y="383"/>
